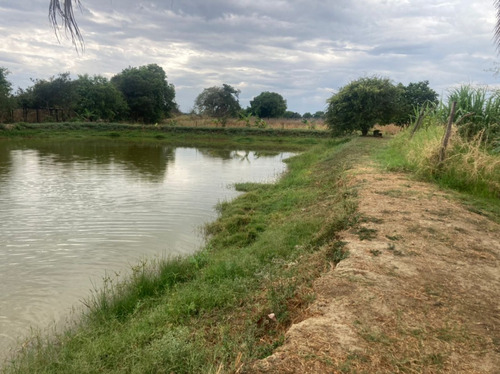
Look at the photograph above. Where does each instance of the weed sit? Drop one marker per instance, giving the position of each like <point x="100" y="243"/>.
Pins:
<point x="394" y="237"/>
<point x="374" y="336"/>
<point x="365" y="233"/>
<point x="434" y="359"/>
<point x="375" y="252"/>
<point x="336" y="252"/>
<point x="372" y="220"/>
<point x="417" y="332"/>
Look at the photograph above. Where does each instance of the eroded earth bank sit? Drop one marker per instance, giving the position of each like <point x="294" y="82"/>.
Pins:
<point x="419" y="291"/>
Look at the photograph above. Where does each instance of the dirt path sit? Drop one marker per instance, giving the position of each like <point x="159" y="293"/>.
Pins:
<point x="419" y="292"/>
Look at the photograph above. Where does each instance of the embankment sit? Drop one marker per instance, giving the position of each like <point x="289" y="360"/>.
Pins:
<point x="232" y="302"/>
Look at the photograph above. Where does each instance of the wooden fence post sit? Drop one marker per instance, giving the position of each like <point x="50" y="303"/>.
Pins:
<point x="419" y="121"/>
<point x="447" y="135"/>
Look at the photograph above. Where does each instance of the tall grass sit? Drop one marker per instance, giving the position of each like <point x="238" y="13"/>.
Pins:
<point x="469" y="166"/>
<point x="478" y="111"/>
<point x="472" y="162"/>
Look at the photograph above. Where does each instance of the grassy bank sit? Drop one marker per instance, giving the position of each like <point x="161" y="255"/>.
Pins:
<point x="230" y="303"/>
<point x="287" y="139"/>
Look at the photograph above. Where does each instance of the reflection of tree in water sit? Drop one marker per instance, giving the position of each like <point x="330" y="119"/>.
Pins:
<point x="242" y="155"/>
<point x="5" y="160"/>
<point x="148" y="160"/>
<point x="259" y="154"/>
<point x="223" y="153"/>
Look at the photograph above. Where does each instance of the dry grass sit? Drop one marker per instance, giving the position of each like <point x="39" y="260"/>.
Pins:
<point x="468" y="166"/>
<point x="389" y="129"/>
<point x="273" y="123"/>
<point x="478" y="162"/>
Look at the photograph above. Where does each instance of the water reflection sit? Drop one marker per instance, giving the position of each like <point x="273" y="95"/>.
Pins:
<point x="242" y="155"/>
<point x="71" y="210"/>
<point x="4" y="160"/>
<point x="150" y="159"/>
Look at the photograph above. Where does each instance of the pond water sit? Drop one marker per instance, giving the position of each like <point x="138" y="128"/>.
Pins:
<point x="72" y="210"/>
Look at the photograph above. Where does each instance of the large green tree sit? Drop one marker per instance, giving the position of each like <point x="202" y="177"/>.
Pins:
<point x="219" y="102"/>
<point x="149" y="96"/>
<point x="361" y="104"/>
<point x="5" y="95"/>
<point x="268" y="105"/>
<point x="412" y="96"/>
<point x="97" y="98"/>
<point x="58" y="92"/>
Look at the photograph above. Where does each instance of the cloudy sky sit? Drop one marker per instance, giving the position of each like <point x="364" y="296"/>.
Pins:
<point x="303" y="49"/>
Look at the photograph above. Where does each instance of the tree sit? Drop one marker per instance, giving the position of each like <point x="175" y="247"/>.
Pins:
<point x="361" y="104"/>
<point x="319" y="114"/>
<point x="268" y="105"/>
<point x="149" y="96"/>
<point x="219" y="102"/>
<point x="291" y="115"/>
<point x="307" y="115"/>
<point x="55" y="93"/>
<point x="417" y="94"/>
<point x="25" y="98"/>
<point x="413" y="96"/>
<point x="97" y="98"/>
<point x="5" y="96"/>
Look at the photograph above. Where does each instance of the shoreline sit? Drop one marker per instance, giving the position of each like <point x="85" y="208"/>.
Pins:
<point x="275" y="260"/>
<point x="255" y="233"/>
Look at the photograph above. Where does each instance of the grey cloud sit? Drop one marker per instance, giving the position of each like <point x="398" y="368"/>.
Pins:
<point x="302" y="49"/>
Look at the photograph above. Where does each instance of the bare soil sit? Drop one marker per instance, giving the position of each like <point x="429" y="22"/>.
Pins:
<point x="419" y="292"/>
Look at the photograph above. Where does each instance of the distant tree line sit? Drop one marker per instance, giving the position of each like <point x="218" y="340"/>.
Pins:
<point x="223" y="103"/>
<point x="143" y="95"/>
<point x="138" y="94"/>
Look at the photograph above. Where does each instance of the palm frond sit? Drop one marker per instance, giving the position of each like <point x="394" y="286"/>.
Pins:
<point x="497" y="25"/>
<point x="62" y="16"/>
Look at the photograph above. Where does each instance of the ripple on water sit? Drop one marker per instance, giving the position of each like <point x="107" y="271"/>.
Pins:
<point x="71" y="211"/>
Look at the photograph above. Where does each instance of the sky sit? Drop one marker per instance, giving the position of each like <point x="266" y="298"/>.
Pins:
<point x="305" y="50"/>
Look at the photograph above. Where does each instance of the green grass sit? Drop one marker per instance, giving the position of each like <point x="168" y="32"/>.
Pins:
<point x="291" y="139"/>
<point x="208" y="312"/>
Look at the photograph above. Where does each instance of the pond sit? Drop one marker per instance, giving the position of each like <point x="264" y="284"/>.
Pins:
<point x="73" y="211"/>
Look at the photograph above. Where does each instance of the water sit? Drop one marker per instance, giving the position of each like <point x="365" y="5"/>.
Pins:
<point x="71" y="211"/>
